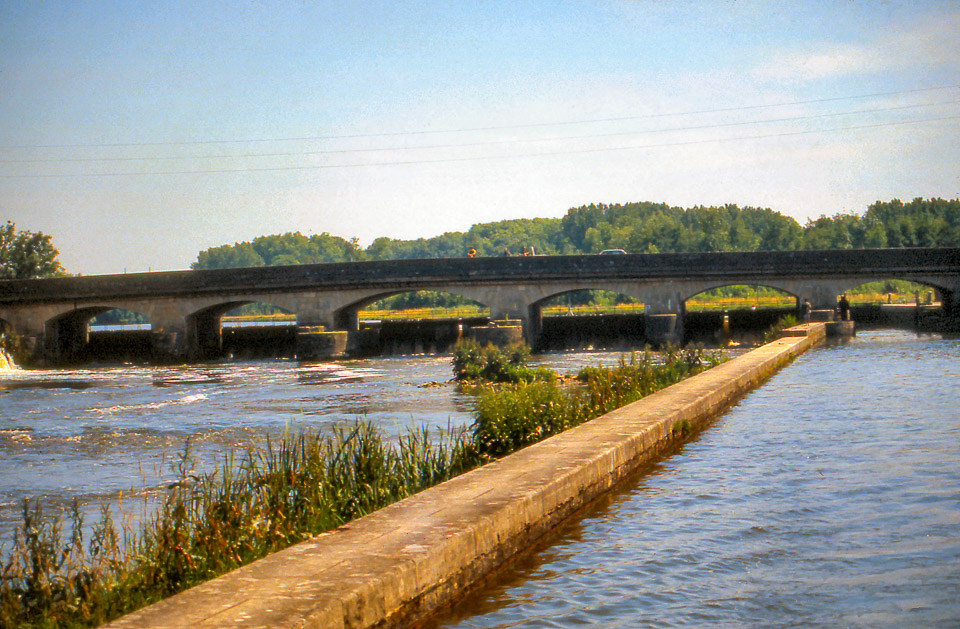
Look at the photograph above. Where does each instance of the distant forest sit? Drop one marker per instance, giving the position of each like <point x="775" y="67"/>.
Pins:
<point x="634" y="227"/>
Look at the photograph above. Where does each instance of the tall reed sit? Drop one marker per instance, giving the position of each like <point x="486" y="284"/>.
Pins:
<point x="509" y="418"/>
<point x="207" y="524"/>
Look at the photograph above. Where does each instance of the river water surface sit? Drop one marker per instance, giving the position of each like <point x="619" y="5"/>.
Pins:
<point x="91" y="434"/>
<point x="829" y="497"/>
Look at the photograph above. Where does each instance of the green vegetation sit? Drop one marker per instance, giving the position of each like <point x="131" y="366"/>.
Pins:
<point x="211" y="523"/>
<point x="897" y="291"/>
<point x="271" y="497"/>
<point x="782" y="324"/>
<point x="740" y="296"/>
<point x="25" y="255"/>
<point x="537" y="406"/>
<point x="280" y="250"/>
<point x="491" y="364"/>
<point x="635" y="227"/>
<point x="119" y="316"/>
<point x="509" y="418"/>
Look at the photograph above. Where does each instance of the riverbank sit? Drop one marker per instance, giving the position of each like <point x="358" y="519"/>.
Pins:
<point x="402" y="562"/>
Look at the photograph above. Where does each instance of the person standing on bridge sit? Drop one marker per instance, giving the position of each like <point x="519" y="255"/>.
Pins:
<point x="805" y="309"/>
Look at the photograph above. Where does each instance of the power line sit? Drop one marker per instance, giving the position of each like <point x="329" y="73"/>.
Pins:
<point x="485" y="157"/>
<point x="476" y="129"/>
<point x="475" y="144"/>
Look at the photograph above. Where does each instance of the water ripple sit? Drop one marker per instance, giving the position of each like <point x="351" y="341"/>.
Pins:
<point x="826" y="498"/>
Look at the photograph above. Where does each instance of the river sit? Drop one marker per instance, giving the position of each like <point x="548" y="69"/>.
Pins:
<point x="95" y="433"/>
<point x="828" y="497"/>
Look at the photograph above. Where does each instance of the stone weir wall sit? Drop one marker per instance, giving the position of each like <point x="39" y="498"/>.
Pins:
<point x="396" y="566"/>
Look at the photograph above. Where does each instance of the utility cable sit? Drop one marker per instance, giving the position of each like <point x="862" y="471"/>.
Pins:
<point x="483" y="157"/>
<point x="487" y="128"/>
<point x="65" y="160"/>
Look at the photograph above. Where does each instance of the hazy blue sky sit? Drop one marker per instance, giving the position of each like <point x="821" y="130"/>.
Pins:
<point x="139" y="133"/>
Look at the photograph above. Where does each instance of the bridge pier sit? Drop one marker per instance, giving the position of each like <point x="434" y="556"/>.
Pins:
<point x="64" y="338"/>
<point x="663" y="317"/>
<point x="204" y="337"/>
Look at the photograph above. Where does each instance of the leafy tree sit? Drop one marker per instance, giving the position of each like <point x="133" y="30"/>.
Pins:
<point x="27" y="255"/>
<point x="239" y="255"/>
<point x="635" y="227"/>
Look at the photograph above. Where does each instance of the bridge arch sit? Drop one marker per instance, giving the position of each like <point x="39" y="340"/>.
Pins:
<point x="735" y="313"/>
<point x="758" y="289"/>
<point x="907" y="290"/>
<point x="67" y="333"/>
<point x="204" y="326"/>
<point x="347" y="316"/>
<point x="587" y="317"/>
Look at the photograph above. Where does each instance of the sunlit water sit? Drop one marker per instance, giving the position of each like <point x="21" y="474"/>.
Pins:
<point x="91" y="433"/>
<point x="829" y="497"/>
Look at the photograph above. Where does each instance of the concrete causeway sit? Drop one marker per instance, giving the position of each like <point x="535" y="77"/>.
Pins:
<point x="397" y="565"/>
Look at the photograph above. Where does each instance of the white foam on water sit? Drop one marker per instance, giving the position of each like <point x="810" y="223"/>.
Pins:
<point x="17" y="435"/>
<point x="146" y="406"/>
<point x="6" y="362"/>
<point x="332" y="372"/>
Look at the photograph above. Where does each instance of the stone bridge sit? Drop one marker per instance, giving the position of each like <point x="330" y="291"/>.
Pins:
<point x="185" y="307"/>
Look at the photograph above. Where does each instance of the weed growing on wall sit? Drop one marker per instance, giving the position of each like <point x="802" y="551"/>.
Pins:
<point x="508" y="418"/>
<point x="772" y="334"/>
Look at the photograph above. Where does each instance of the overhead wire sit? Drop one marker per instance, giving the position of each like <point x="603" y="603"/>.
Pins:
<point x="484" y="157"/>
<point x="484" y="128"/>
<point x="499" y="142"/>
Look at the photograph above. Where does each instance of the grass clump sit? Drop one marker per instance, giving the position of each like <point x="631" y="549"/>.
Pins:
<point x="208" y="524"/>
<point x="471" y="362"/>
<point x="773" y="333"/>
<point x="509" y="418"/>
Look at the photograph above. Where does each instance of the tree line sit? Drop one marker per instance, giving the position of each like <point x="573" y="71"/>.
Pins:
<point x="634" y="227"/>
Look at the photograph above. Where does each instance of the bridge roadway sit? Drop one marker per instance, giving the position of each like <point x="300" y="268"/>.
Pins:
<point x="185" y="307"/>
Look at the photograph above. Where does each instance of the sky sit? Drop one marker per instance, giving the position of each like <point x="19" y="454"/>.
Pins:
<point x="137" y="134"/>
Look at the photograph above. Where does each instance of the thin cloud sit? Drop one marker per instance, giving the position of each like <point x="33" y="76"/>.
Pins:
<point x="932" y="45"/>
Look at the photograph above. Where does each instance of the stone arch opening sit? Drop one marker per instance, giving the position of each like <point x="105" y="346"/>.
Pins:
<point x="412" y="322"/>
<point x="893" y="291"/>
<point x="899" y="303"/>
<point x="99" y="333"/>
<point x="242" y="329"/>
<point x="735" y="313"/>
<point x="422" y="304"/>
<point x="740" y="297"/>
<point x="119" y="319"/>
<point x="589" y="319"/>
<point x="590" y="302"/>
<point x="258" y="314"/>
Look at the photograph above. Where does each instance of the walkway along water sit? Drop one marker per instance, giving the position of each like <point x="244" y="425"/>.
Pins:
<point x="401" y="563"/>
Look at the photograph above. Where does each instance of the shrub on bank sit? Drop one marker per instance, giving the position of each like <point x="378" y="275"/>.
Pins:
<point x="509" y="418"/>
<point x="471" y="362"/>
